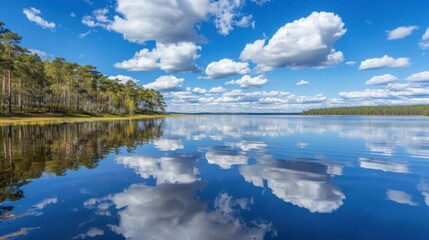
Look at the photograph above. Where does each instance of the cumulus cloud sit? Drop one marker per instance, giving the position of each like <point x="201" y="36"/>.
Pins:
<point x="217" y="90"/>
<point x="226" y="15"/>
<point x="32" y="14"/>
<point x="302" y="83"/>
<point x="123" y="79"/>
<point x="98" y="19"/>
<point x="381" y="80"/>
<point x="172" y="58"/>
<point x="368" y="93"/>
<point x="384" y="62"/>
<point x="238" y="100"/>
<point x="424" y="43"/>
<point x="166" y="83"/>
<point x="170" y="21"/>
<point x="419" y="77"/>
<point x="401" y="32"/>
<point x="247" y="81"/>
<point x="307" y="42"/>
<point x="226" y="68"/>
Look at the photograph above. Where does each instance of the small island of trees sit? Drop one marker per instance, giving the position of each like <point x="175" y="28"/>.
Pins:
<point x="32" y="85"/>
<point x="411" y="110"/>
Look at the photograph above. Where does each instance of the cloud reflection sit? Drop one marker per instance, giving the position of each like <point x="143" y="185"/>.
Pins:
<point x="302" y="182"/>
<point x="172" y="168"/>
<point x="384" y="165"/>
<point x="400" y="197"/>
<point x="225" y="157"/>
<point x="170" y="211"/>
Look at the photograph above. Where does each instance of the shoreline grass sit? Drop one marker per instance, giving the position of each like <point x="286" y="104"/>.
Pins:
<point x="17" y="119"/>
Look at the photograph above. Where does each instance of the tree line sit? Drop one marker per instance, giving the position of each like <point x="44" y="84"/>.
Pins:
<point x="30" y="84"/>
<point x="415" y="110"/>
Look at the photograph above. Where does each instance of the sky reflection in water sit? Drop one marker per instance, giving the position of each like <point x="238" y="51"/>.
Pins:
<point x="218" y="177"/>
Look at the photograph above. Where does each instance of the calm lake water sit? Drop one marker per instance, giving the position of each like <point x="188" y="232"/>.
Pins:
<point x="217" y="177"/>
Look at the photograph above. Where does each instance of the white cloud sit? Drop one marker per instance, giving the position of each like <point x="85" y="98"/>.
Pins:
<point x="384" y="62"/>
<point x="72" y="14"/>
<point x="123" y="79"/>
<point x="170" y="21"/>
<point x="41" y="205"/>
<point x="32" y="14"/>
<point x="368" y="93"/>
<point x="226" y="15"/>
<point x="381" y="80"/>
<point x="351" y="63"/>
<point x="307" y="42"/>
<point x="226" y="68"/>
<point x="166" y="83"/>
<point x="424" y="43"/>
<point x="163" y="21"/>
<point x="172" y="58"/>
<point x="419" y="77"/>
<point x="217" y="90"/>
<point x="302" y="83"/>
<point x="247" y="81"/>
<point x="426" y="35"/>
<point x="400" y="197"/>
<point x="43" y="55"/>
<point x="98" y="19"/>
<point x="401" y="32"/>
<point x="83" y="35"/>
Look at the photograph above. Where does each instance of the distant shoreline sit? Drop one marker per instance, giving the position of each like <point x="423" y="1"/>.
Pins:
<point x="408" y="110"/>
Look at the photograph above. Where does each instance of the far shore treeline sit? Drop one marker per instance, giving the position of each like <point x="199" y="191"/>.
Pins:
<point x="32" y="85"/>
<point x="411" y="110"/>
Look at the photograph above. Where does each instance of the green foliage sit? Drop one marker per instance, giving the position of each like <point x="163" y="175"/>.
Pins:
<point x="32" y="85"/>
<point x="415" y="110"/>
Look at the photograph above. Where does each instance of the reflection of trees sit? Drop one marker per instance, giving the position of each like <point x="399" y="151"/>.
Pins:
<point x="30" y="151"/>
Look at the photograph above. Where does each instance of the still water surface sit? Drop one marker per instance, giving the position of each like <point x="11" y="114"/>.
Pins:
<point x="217" y="177"/>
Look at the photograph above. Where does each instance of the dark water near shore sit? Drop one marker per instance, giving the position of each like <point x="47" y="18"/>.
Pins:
<point x="217" y="177"/>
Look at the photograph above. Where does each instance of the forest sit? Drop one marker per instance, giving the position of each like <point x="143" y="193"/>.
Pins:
<point x="411" y="110"/>
<point x="32" y="85"/>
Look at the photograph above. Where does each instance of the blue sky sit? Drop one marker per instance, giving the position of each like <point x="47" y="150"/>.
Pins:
<point x="241" y="55"/>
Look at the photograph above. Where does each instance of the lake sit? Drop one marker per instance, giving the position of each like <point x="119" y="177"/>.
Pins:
<point x="217" y="177"/>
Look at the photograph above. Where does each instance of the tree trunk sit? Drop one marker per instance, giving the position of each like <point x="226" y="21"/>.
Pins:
<point x="9" y="92"/>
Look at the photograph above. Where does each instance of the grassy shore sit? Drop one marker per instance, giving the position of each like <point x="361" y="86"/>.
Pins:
<point x="47" y="118"/>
